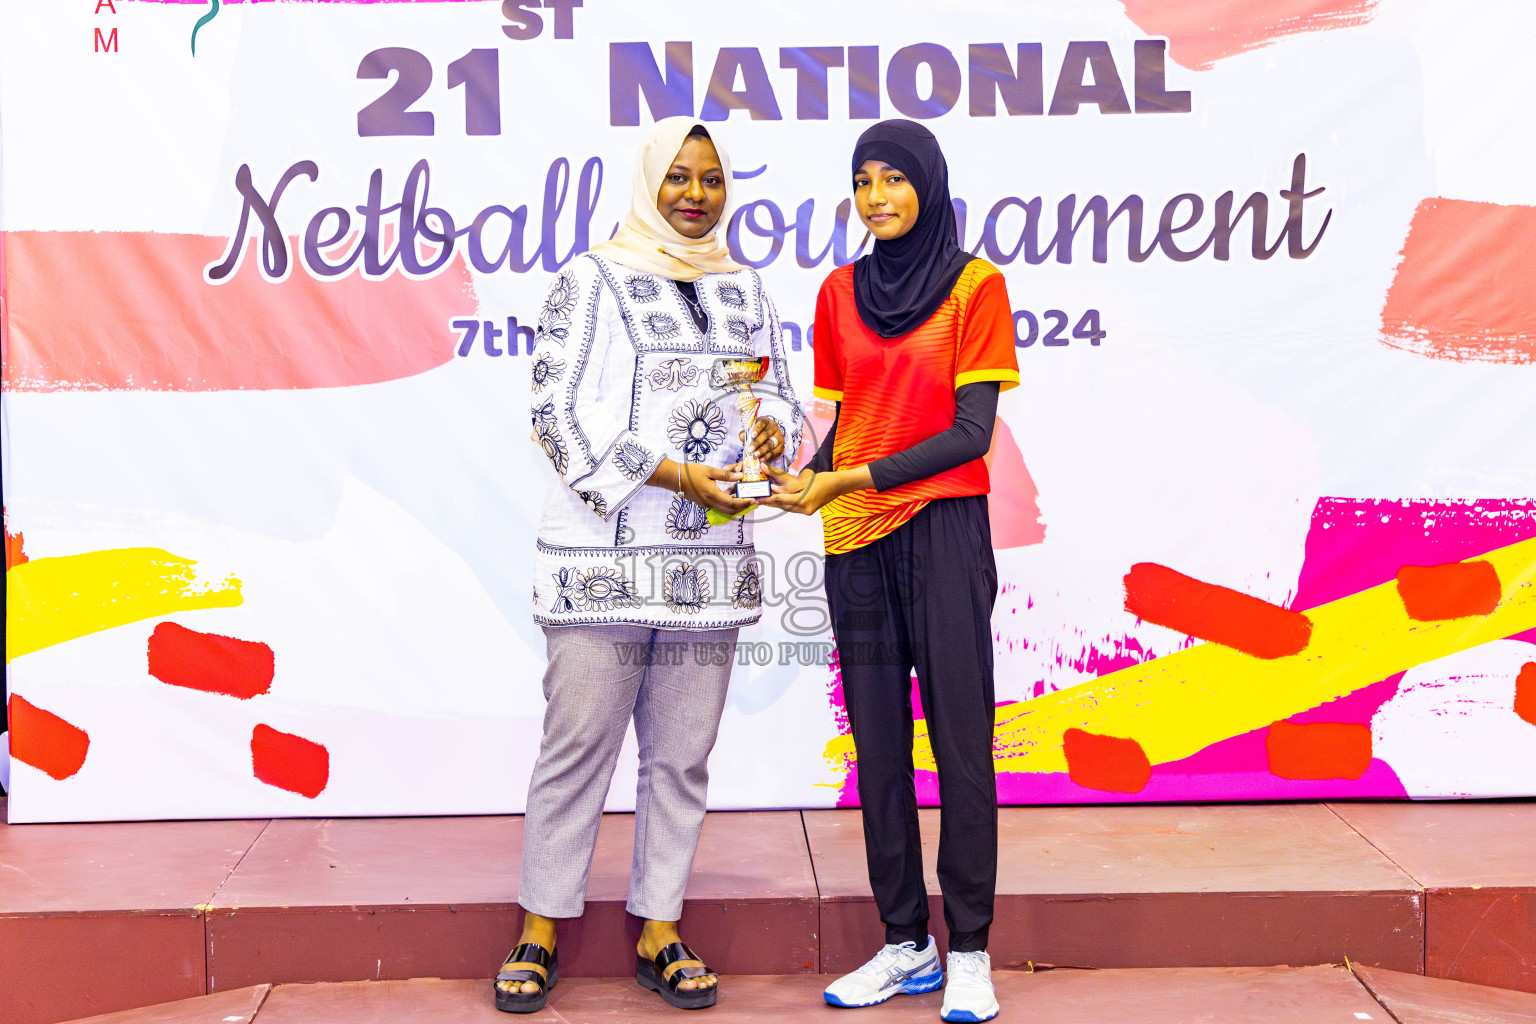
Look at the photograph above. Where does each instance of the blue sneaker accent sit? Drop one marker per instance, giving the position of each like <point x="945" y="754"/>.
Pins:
<point x="963" y="1015"/>
<point x="898" y="969"/>
<point x="911" y="987"/>
<point x="926" y="983"/>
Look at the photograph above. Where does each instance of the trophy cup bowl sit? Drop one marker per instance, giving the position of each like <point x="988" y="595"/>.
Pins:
<point x="739" y="375"/>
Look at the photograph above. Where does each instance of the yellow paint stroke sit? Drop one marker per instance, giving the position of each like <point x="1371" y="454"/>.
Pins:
<point x="1180" y="704"/>
<point x="51" y="600"/>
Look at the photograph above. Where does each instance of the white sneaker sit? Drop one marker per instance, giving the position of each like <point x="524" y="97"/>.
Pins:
<point x="895" y="969"/>
<point x="968" y="995"/>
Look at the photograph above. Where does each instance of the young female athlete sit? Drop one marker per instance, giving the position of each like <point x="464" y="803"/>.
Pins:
<point x="913" y="342"/>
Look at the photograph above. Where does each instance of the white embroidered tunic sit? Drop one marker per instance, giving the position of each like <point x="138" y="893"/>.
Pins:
<point x="622" y="378"/>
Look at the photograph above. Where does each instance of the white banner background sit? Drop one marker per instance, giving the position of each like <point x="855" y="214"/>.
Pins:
<point x="383" y="533"/>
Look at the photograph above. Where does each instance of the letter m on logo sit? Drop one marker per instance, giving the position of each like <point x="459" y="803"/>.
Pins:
<point x="107" y="43"/>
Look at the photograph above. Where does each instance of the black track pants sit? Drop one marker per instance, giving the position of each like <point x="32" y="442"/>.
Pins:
<point x="921" y="598"/>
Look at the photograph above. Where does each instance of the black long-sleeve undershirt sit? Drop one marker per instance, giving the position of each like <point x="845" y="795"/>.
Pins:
<point x="966" y="439"/>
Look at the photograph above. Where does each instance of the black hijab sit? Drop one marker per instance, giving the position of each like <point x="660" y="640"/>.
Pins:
<point x="902" y="282"/>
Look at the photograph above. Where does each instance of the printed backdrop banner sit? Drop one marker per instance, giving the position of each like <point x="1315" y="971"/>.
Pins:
<point x="1263" y="503"/>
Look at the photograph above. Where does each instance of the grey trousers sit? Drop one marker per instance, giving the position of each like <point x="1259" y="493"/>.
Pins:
<point x="598" y="678"/>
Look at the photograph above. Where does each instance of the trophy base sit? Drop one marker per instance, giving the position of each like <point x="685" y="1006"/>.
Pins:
<point x="753" y="488"/>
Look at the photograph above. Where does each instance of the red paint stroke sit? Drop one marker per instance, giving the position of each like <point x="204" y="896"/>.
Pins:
<point x="45" y="741"/>
<point x="209" y="662"/>
<point x="1158" y="594"/>
<point x="130" y="311"/>
<point x="1318" y="750"/>
<point x="1466" y="287"/>
<point x="1355" y="544"/>
<point x="289" y="762"/>
<point x="1358" y="543"/>
<point x="1202" y="32"/>
<point x="1013" y="505"/>
<point x="1456" y="590"/>
<point x="1108" y="763"/>
<point x="15" y="553"/>
<point x="1525" y="692"/>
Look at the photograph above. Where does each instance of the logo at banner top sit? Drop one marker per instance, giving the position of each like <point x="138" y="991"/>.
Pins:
<point x="205" y="19"/>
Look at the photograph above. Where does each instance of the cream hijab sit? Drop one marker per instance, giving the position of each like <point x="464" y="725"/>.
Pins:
<point x="646" y="242"/>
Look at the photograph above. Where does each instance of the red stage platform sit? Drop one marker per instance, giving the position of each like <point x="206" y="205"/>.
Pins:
<point x="1232" y="995"/>
<point x="100" y="918"/>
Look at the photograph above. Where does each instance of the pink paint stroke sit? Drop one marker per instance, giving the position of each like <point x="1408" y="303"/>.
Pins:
<point x="1202" y="32"/>
<point x="1353" y="544"/>
<point x="1358" y="543"/>
<point x="1464" y="290"/>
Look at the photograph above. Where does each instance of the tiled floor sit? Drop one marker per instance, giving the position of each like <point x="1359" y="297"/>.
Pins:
<point x="1477" y="864"/>
<point x="128" y="899"/>
<point x="1231" y="995"/>
<point x="347" y="899"/>
<point x="1415" y="999"/>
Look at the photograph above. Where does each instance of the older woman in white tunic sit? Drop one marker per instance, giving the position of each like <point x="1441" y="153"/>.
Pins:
<point x="639" y="594"/>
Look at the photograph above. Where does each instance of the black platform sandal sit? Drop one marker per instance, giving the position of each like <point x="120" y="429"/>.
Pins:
<point x="527" y="1002"/>
<point x="652" y="974"/>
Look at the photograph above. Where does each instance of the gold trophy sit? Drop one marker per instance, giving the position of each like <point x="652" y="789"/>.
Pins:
<point x="740" y="375"/>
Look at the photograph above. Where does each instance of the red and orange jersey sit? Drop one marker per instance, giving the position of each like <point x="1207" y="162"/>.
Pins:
<point x="897" y="392"/>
